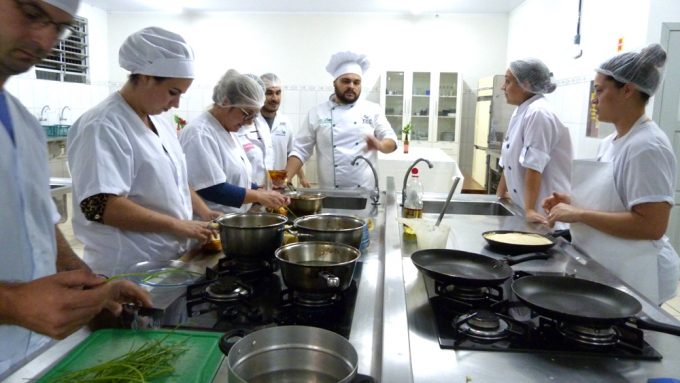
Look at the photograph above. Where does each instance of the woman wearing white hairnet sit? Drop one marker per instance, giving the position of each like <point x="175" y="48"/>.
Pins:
<point x="219" y="169"/>
<point x="536" y="154"/>
<point x="257" y="143"/>
<point x="130" y="190"/>
<point x="620" y="203"/>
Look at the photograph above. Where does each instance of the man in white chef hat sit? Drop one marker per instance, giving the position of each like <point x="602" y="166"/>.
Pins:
<point x="44" y="287"/>
<point x="343" y="128"/>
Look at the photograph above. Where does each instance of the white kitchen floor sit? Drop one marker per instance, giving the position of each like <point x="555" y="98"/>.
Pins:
<point x="672" y="306"/>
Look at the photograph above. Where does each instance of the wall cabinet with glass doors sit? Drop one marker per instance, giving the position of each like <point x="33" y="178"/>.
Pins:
<point x="430" y="101"/>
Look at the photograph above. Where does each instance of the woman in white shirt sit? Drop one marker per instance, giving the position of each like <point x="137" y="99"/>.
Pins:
<point x="536" y="154"/>
<point x="219" y="169"/>
<point x="130" y="190"/>
<point x="620" y="203"/>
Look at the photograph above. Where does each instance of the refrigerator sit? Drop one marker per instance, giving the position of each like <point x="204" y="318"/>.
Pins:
<point x="492" y="116"/>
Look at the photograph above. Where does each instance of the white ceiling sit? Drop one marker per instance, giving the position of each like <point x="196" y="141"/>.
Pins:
<point x="394" y="6"/>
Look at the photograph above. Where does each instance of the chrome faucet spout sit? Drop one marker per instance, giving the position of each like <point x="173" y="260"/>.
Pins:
<point x="408" y="171"/>
<point x="44" y="110"/>
<point x="61" y="114"/>
<point x="375" y="194"/>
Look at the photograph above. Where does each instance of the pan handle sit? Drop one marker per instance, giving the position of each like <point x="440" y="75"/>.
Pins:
<point x="646" y="323"/>
<point x="229" y="339"/>
<point x="566" y="234"/>
<point x="526" y="257"/>
<point x="331" y="280"/>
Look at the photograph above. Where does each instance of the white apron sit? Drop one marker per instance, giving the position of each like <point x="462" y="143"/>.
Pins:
<point x="633" y="261"/>
<point x="257" y="144"/>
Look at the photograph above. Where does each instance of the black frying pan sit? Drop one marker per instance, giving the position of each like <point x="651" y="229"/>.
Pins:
<point x="466" y="269"/>
<point x="514" y="249"/>
<point x="582" y="301"/>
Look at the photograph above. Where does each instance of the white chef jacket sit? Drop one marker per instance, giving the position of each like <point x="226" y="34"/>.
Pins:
<point x="339" y="132"/>
<point x="645" y="171"/>
<point x="111" y="151"/>
<point x="282" y="134"/>
<point x="257" y="144"/>
<point x="215" y="156"/>
<point x="28" y="237"/>
<point x="536" y="139"/>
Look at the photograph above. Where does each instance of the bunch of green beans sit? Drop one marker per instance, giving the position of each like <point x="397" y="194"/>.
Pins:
<point x="151" y="360"/>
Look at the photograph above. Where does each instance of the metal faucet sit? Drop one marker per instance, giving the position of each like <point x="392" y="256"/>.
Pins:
<point x="61" y="114"/>
<point x="42" y="117"/>
<point x="408" y="171"/>
<point x="375" y="194"/>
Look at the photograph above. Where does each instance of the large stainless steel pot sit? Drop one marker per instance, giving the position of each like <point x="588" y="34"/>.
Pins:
<point x="290" y="354"/>
<point x="251" y="238"/>
<point x="304" y="203"/>
<point x="337" y="228"/>
<point x="317" y="267"/>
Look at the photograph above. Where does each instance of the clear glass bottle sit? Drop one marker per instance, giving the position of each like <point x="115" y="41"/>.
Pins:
<point x="413" y="205"/>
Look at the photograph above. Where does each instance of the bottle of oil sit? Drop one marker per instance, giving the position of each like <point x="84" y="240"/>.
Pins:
<point x="413" y="205"/>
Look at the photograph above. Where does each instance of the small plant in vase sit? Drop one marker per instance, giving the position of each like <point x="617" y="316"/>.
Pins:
<point x="180" y="123"/>
<point x="406" y="130"/>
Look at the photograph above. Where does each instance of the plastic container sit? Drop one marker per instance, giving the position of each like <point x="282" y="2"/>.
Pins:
<point x="413" y="205"/>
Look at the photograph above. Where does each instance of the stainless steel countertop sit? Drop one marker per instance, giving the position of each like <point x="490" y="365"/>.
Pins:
<point x="430" y="363"/>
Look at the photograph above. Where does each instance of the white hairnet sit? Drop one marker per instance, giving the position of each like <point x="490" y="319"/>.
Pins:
<point x="643" y="69"/>
<point x="239" y="90"/>
<point x="68" y="6"/>
<point x="533" y="76"/>
<point x="347" y="62"/>
<point x="271" y="81"/>
<point x="158" y="52"/>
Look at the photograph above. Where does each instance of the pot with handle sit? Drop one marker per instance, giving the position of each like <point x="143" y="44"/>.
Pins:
<point x="585" y="302"/>
<point x="337" y="228"/>
<point x="251" y="238"/>
<point x="304" y="203"/>
<point x="513" y="242"/>
<point x="467" y="269"/>
<point x="317" y="267"/>
<point x="289" y="354"/>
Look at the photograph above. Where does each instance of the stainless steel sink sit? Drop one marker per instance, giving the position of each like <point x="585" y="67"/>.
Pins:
<point x="467" y="207"/>
<point x="349" y="203"/>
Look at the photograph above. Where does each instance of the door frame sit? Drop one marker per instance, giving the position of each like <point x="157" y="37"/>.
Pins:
<point x="672" y="231"/>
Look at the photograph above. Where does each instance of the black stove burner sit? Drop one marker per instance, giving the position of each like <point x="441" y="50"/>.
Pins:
<point x="589" y="336"/>
<point x="491" y="322"/>
<point x="483" y="325"/>
<point x="231" y="298"/>
<point x="473" y="296"/>
<point x="227" y="289"/>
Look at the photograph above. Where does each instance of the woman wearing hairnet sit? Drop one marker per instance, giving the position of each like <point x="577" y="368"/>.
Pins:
<point x="257" y="143"/>
<point x="620" y="203"/>
<point x="130" y="190"/>
<point x="219" y="169"/>
<point x="536" y="154"/>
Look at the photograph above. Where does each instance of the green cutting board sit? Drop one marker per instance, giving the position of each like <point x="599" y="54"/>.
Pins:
<point x="197" y="365"/>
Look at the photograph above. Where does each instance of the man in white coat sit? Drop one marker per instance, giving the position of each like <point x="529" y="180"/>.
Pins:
<point x="44" y="287"/>
<point x="343" y="128"/>
<point x="282" y="133"/>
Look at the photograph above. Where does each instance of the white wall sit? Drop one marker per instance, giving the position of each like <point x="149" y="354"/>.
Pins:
<point x="545" y="29"/>
<point x="297" y="47"/>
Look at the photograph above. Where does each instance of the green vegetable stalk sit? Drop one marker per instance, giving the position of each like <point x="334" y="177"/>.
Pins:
<point x="151" y="360"/>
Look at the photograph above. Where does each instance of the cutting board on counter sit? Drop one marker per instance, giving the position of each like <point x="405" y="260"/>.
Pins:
<point x="197" y="365"/>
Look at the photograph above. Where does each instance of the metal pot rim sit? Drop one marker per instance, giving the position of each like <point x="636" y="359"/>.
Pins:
<point x="310" y="196"/>
<point x="220" y="221"/>
<point x="351" y="360"/>
<point x="298" y="221"/>
<point x="283" y="248"/>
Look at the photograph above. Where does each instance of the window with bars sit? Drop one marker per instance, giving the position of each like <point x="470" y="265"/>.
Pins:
<point x="69" y="60"/>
